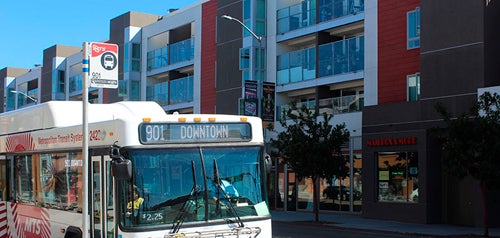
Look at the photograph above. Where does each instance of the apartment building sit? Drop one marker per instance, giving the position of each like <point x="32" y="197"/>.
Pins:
<point x="8" y="92"/>
<point x="316" y="57"/>
<point x="425" y="52"/>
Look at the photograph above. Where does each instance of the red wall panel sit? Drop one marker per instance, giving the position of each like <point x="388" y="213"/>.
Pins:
<point x="395" y="61"/>
<point x="208" y="56"/>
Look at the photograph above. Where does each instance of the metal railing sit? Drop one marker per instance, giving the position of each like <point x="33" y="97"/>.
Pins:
<point x="330" y="106"/>
<point x="304" y="14"/>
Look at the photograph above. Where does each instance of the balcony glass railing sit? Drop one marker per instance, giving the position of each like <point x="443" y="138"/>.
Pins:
<point x="158" y="93"/>
<point x="182" y="51"/>
<point x="157" y="58"/>
<point x="296" y="16"/>
<point x="296" y="66"/>
<point x="75" y="83"/>
<point x="339" y="105"/>
<point x="181" y="90"/>
<point x="329" y="10"/>
<point x="29" y="97"/>
<point x="304" y="14"/>
<point x="171" y="54"/>
<point x="338" y="57"/>
<point x="330" y="106"/>
<point x="341" y="57"/>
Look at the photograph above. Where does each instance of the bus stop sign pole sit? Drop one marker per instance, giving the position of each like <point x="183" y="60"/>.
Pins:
<point x="85" y="140"/>
<point x="100" y="63"/>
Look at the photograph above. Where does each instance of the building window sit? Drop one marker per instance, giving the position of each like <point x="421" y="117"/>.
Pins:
<point x="122" y="88"/>
<point x="413" y="28"/>
<point x="397" y="176"/>
<point x="135" y="90"/>
<point x="260" y="64"/>
<point x="58" y="81"/>
<point x="247" y="9"/>
<point x="245" y="63"/>
<point x="136" y="57"/>
<point x="413" y="89"/>
<point x="260" y="22"/>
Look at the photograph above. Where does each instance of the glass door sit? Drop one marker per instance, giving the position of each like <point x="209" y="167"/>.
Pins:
<point x="101" y="191"/>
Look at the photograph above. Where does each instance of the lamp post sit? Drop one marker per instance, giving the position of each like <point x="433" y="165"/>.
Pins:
<point x="260" y="79"/>
<point x="259" y="38"/>
<point x="25" y="95"/>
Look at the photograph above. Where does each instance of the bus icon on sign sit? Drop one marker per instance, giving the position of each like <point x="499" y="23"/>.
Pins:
<point x="108" y="61"/>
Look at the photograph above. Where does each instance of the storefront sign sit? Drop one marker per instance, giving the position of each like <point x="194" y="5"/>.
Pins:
<point x="412" y="140"/>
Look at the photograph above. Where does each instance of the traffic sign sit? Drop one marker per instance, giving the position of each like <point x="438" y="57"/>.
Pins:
<point x="103" y="65"/>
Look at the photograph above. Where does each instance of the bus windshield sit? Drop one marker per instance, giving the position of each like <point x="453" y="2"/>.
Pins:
<point x="179" y="185"/>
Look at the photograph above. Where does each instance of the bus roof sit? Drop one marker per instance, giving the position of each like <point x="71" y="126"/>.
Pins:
<point x="69" y="113"/>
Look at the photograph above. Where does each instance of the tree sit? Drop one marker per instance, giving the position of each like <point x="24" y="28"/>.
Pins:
<point x="471" y="145"/>
<point x="312" y="147"/>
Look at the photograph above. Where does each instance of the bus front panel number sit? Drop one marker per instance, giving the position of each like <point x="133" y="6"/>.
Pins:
<point x="154" y="133"/>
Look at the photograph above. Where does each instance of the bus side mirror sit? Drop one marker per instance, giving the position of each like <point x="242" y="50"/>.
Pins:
<point x="121" y="168"/>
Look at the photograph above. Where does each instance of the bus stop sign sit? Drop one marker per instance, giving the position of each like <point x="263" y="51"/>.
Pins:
<point x="103" y="65"/>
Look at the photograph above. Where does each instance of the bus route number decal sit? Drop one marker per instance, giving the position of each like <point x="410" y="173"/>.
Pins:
<point x="154" y="133"/>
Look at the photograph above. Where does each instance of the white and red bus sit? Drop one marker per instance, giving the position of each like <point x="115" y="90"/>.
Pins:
<point x="150" y="174"/>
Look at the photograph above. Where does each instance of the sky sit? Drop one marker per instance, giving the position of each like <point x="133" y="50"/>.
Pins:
<point x="30" y="26"/>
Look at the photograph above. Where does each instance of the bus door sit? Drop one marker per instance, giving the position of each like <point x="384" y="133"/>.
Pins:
<point x="101" y="193"/>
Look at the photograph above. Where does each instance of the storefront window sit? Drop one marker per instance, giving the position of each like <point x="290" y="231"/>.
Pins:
<point x="398" y="176"/>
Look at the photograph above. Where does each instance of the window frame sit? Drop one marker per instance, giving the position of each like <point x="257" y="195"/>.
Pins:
<point x="387" y="184"/>
<point x="413" y="41"/>
<point x="408" y="87"/>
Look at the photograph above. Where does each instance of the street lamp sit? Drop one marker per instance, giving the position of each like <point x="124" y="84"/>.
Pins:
<point x="261" y="78"/>
<point x="25" y="95"/>
<point x="259" y="38"/>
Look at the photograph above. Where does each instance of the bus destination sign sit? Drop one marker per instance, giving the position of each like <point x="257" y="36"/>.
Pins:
<point x="161" y="133"/>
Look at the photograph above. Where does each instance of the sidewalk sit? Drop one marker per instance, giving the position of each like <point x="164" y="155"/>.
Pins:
<point x="347" y="221"/>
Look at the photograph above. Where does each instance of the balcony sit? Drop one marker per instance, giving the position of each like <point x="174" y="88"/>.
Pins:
<point x="75" y="83"/>
<point x="158" y="93"/>
<point x="330" y="106"/>
<point x="157" y="58"/>
<point x="182" y="51"/>
<point x="330" y="10"/>
<point x="296" y="66"/>
<point x="296" y="16"/>
<point x="340" y="57"/>
<point x="171" y="92"/>
<point x="181" y="90"/>
<point x="304" y="14"/>
<point x="170" y="54"/>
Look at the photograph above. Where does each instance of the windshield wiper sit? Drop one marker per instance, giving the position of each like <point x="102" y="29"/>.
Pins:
<point x="187" y="206"/>
<point x="218" y="182"/>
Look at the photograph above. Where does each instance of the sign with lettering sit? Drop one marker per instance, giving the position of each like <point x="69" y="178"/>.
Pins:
<point x="103" y="65"/>
<point x="160" y="133"/>
<point x="412" y="140"/>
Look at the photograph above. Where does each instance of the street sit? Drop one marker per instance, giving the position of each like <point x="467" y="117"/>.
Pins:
<point x="310" y="229"/>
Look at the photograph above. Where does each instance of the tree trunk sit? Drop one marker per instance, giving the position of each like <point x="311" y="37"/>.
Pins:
<point x="485" y="208"/>
<point x="315" y="199"/>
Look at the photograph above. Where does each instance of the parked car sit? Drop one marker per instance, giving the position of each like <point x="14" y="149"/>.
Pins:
<point x="340" y="193"/>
